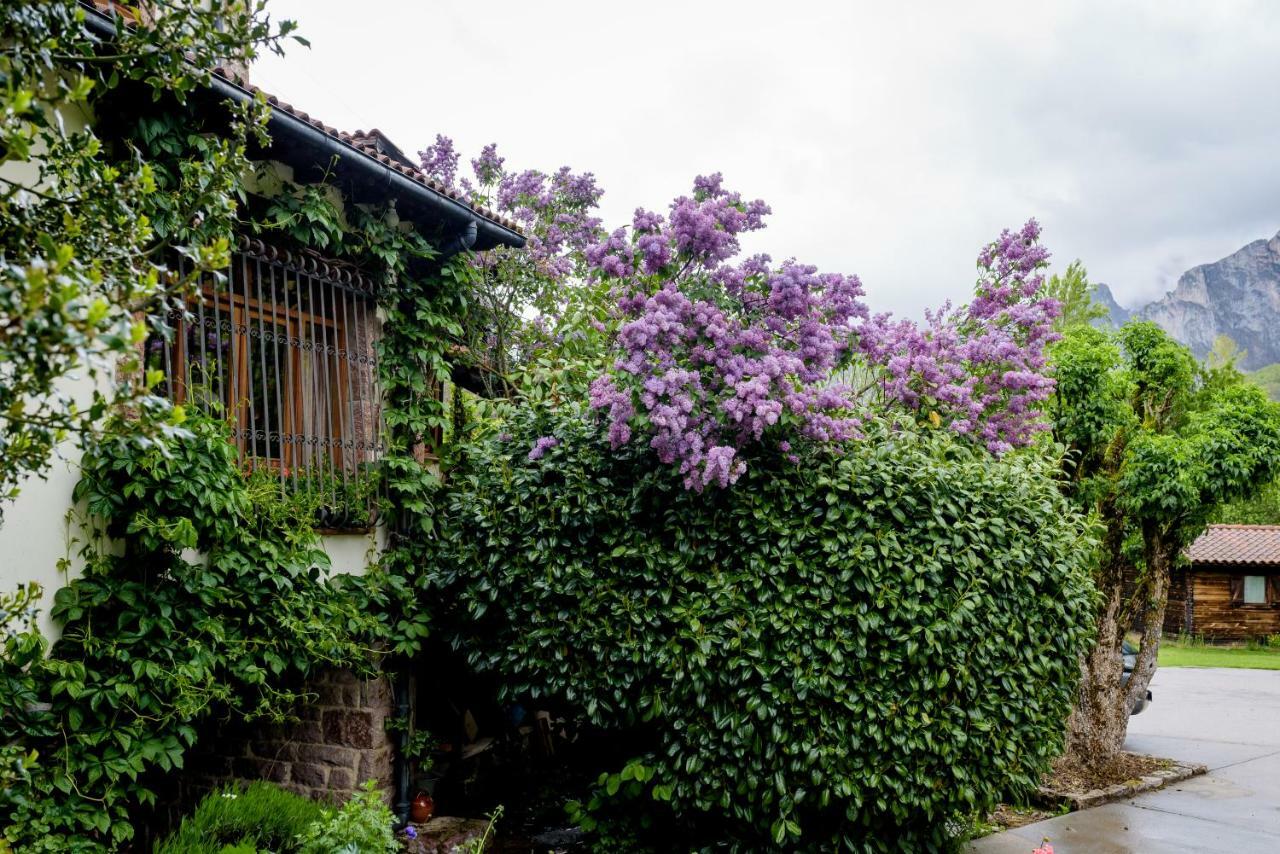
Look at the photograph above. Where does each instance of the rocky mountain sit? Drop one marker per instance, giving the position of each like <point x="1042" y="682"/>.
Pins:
<point x="1237" y="296"/>
<point x="1117" y="314"/>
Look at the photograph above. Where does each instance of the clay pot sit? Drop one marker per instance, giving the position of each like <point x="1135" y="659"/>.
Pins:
<point x="422" y="808"/>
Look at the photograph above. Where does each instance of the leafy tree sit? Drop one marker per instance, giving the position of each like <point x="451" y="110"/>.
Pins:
<point x="88" y="226"/>
<point x="1225" y="355"/>
<point x="1264" y="507"/>
<point x="1261" y="509"/>
<point x="1154" y="447"/>
<point x="1267" y="378"/>
<point x="1074" y="294"/>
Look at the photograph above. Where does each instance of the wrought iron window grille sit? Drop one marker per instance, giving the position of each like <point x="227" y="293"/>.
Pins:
<point x="282" y="346"/>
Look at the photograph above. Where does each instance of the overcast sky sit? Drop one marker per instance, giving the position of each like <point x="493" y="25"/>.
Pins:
<point x="891" y="139"/>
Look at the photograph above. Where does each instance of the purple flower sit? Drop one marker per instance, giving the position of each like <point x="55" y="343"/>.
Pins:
<point x="980" y="368"/>
<point x="541" y="446"/>
<point x="716" y="357"/>
<point x="488" y="166"/>
<point x="411" y="831"/>
<point x="440" y="160"/>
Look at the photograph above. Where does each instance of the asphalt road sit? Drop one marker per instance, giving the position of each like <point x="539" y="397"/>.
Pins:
<point x="1228" y="720"/>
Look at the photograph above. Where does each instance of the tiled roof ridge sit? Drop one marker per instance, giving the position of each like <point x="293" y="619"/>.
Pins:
<point x="1257" y="545"/>
<point x="357" y="141"/>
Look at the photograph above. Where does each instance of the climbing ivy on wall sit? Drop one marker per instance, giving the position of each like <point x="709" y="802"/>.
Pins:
<point x="204" y="593"/>
<point x="205" y="590"/>
<point x="154" y="639"/>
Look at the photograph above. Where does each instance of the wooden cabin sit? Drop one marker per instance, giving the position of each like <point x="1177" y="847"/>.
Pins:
<point x="1230" y="588"/>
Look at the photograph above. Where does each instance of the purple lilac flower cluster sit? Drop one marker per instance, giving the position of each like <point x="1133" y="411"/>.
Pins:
<point x="980" y="368"/>
<point x="714" y="356"/>
<point x="540" y="446"/>
<point x="440" y="160"/>
<point x="555" y="210"/>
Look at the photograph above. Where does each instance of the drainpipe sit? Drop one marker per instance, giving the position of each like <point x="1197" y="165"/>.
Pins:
<point x="401" y="771"/>
<point x="461" y="241"/>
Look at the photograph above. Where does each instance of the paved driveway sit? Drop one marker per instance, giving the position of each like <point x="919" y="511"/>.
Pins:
<point x="1228" y="720"/>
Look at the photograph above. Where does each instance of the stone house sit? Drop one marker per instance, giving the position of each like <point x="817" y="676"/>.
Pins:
<point x="287" y="348"/>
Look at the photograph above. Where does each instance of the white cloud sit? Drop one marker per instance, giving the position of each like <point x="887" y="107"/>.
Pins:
<point x="891" y="139"/>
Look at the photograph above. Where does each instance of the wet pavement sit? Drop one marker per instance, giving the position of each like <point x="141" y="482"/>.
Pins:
<point x="1228" y="720"/>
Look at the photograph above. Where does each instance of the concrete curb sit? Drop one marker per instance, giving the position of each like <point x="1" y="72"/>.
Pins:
<point x="1175" y="773"/>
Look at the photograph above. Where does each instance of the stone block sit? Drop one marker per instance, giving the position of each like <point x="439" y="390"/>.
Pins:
<point x="308" y="732"/>
<point x="358" y="730"/>
<point x="299" y="789"/>
<point x="343" y="677"/>
<point x="375" y="765"/>
<point x="377" y="693"/>
<point x="310" y="774"/>
<point x="331" y="724"/>
<point x="329" y="695"/>
<point x="280" y="751"/>
<point x="261" y="769"/>
<point x="341" y="779"/>
<point x="328" y="754"/>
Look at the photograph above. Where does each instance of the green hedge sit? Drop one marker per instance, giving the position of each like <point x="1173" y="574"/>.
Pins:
<point x="859" y="650"/>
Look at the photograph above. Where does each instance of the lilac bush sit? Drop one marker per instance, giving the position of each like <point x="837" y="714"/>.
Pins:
<point x="521" y="297"/>
<point x="714" y="355"/>
<point x="979" y="368"/>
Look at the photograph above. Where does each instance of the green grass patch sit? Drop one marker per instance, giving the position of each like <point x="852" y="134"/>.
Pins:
<point x="1195" y="654"/>
<point x="244" y="819"/>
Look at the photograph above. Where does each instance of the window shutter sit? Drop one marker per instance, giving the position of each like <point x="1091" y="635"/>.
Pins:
<point x="1273" y="591"/>
<point x="1237" y="590"/>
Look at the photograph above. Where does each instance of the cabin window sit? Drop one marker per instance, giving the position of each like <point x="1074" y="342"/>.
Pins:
<point x="1255" y="590"/>
<point x="281" y="346"/>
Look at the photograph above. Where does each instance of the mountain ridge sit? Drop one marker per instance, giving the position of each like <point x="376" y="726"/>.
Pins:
<point x="1238" y="296"/>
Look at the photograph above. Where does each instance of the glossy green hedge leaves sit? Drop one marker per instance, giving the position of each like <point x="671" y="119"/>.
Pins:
<point x="858" y="650"/>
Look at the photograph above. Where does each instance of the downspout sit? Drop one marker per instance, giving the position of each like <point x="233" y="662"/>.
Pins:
<point x="401" y="773"/>
<point x="461" y="241"/>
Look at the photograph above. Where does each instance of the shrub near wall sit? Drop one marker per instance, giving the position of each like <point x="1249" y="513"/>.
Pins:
<point x="858" y="650"/>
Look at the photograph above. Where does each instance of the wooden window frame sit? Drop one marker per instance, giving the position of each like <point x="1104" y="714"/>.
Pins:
<point x="1270" y="590"/>
<point x="284" y="344"/>
<point x="242" y="311"/>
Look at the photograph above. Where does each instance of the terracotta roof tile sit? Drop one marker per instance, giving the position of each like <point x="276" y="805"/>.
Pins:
<point x="1237" y="544"/>
<point x="367" y="143"/>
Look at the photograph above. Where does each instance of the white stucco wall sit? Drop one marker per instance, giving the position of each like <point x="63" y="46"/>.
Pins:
<point x="40" y="538"/>
<point x="352" y="554"/>
<point x="39" y="541"/>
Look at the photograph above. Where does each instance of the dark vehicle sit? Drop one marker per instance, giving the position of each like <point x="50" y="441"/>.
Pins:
<point x="1130" y="654"/>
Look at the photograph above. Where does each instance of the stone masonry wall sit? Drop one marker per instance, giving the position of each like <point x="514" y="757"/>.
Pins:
<point x="339" y="742"/>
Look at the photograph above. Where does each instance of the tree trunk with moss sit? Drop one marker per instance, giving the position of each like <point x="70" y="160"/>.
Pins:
<point x="1099" y="722"/>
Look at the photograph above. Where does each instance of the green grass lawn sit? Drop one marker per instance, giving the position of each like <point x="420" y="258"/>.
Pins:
<point x="1179" y="654"/>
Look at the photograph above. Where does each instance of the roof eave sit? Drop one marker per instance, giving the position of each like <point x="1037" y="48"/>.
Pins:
<point x="415" y="201"/>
